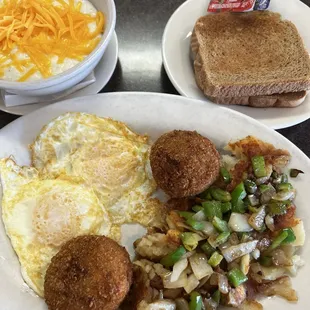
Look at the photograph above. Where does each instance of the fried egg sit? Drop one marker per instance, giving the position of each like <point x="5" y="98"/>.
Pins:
<point x="108" y="157"/>
<point x="39" y="215"/>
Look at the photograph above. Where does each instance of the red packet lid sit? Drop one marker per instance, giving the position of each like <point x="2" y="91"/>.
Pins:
<point x="237" y="5"/>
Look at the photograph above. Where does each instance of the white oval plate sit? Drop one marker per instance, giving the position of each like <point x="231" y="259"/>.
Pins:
<point x="103" y="73"/>
<point x="153" y="114"/>
<point x="178" y="64"/>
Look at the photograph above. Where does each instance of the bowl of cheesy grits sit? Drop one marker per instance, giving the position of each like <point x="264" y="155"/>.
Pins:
<point x="48" y="46"/>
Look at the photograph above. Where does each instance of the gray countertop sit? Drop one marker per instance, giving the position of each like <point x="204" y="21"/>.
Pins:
<point x="140" y="25"/>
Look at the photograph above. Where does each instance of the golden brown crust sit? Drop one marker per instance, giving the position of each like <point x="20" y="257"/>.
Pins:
<point x="89" y="272"/>
<point x="184" y="163"/>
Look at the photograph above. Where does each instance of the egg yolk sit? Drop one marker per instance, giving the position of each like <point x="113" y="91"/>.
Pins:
<point x="55" y="219"/>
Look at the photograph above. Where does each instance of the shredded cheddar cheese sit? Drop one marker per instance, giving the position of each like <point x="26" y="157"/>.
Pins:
<point x="42" y="29"/>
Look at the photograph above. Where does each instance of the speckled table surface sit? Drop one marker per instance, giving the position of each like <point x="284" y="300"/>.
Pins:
<point x="140" y="25"/>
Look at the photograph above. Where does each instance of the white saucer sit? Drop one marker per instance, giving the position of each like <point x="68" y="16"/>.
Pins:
<point x="178" y="64"/>
<point x="103" y="73"/>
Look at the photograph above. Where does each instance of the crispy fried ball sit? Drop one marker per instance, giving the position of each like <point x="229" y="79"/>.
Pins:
<point x="89" y="272"/>
<point x="184" y="163"/>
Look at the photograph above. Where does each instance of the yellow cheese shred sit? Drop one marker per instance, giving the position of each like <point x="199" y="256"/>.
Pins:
<point x="43" y="29"/>
<point x="27" y="75"/>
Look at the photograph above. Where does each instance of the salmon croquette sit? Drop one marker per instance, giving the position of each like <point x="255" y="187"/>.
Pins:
<point x="89" y="272"/>
<point x="184" y="163"/>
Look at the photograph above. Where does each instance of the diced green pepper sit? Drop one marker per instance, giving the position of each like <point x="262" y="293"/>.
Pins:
<point x="239" y="207"/>
<point x="250" y="186"/>
<point x="215" y="241"/>
<point x="290" y="236"/>
<point x="207" y="248"/>
<point x="219" y="194"/>
<point x="195" y="224"/>
<point x="237" y="196"/>
<point x="190" y="240"/>
<point x="284" y="178"/>
<point x="238" y="193"/>
<point x="186" y="214"/>
<point x="219" y="224"/>
<point x="197" y="208"/>
<point x="278" y="240"/>
<point x="246" y="202"/>
<point x="212" y="208"/>
<point x="225" y="175"/>
<point x="225" y="206"/>
<point x="222" y="237"/>
<point x="259" y="167"/>
<point x="285" y="187"/>
<point x="195" y="301"/>
<point x="266" y="261"/>
<point x="236" y="277"/>
<point x="216" y="296"/>
<point x="170" y="259"/>
<point x="277" y="207"/>
<point x="263" y="188"/>
<point x="215" y="259"/>
<point x="206" y="195"/>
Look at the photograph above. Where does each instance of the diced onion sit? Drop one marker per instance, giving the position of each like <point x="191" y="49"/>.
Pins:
<point x="257" y="219"/>
<point x="178" y="268"/>
<point x="200" y="266"/>
<point x="192" y="283"/>
<point x="254" y="201"/>
<point x="239" y="223"/>
<point x="269" y="221"/>
<point x="221" y="281"/>
<point x="208" y="228"/>
<point x="256" y="254"/>
<point x="181" y="282"/>
<point x="239" y="250"/>
<point x="164" y="304"/>
<point x="229" y="161"/>
<point x="284" y="195"/>
<point x="199" y="216"/>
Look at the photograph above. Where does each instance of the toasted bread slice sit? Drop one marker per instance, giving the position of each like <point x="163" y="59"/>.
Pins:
<point x="249" y="54"/>
<point x="285" y="100"/>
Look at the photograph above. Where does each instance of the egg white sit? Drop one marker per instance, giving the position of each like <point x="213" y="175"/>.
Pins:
<point x="39" y="215"/>
<point x="107" y="156"/>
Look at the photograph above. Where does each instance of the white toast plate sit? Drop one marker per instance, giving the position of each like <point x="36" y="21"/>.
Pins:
<point x="178" y="64"/>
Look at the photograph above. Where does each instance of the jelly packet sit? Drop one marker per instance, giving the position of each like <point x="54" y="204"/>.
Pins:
<point x="237" y="5"/>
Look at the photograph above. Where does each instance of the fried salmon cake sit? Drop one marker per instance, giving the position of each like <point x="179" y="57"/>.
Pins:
<point x="89" y="272"/>
<point x="184" y="163"/>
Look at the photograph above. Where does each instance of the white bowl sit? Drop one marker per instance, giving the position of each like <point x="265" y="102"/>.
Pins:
<point x="76" y="74"/>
